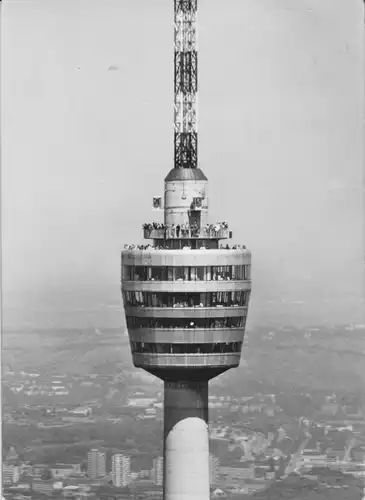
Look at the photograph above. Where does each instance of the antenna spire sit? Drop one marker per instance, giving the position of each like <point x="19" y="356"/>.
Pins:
<point x="186" y="84"/>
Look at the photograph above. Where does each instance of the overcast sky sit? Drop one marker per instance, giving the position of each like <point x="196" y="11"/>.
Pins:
<point x="87" y="110"/>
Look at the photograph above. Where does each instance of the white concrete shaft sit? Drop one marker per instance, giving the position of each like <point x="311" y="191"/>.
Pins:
<point x="186" y="441"/>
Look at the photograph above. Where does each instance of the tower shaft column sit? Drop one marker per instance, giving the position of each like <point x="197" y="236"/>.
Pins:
<point x="186" y="441"/>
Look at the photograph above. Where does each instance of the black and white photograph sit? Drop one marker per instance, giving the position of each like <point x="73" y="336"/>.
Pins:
<point x="182" y="250"/>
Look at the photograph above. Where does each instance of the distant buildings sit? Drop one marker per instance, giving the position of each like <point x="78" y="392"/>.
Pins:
<point x="213" y="469"/>
<point x="11" y="473"/>
<point x="141" y="402"/>
<point x="311" y="459"/>
<point x="157" y="471"/>
<point x="10" y="467"/>
<point x="82" y="411"/>
<point x="96" y="463"/>
<point x="60" y="471"/>
<point x="121" y="470"/>
<point x="241" y="473"/>
<point x="43" y="487"/>
<point x="38" y="470"/>
<point x="358" y="453"/>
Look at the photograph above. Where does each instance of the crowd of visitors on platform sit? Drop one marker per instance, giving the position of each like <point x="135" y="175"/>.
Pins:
<point x="232" y="247"/>
<point x="166" y="247"/>
<point x="186" y="230"/>
<point x="149" y="226"/>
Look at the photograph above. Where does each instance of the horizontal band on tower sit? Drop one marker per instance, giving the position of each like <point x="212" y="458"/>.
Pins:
<point x="169" y="348"/>
<point x="185" y="175"/>
<point x="181" y="335"/>
<point x="187" y="322"/>
<point x="215" y="301"/>
<point x="186" y="361"/>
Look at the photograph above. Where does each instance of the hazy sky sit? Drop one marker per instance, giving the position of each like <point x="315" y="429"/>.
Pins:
<point x="87" y="110"/>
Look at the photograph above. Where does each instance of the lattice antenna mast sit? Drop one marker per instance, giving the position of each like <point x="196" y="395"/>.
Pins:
<point x="186" y="84"/>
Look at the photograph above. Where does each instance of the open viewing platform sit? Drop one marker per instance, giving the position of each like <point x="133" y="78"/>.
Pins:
<point x="160" y="234"/>
<point x="180" y="244"/>
<point x="160" y="231"/>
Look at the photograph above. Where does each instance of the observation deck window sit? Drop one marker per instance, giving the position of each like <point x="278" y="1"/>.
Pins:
<point x="184" y="273"/>
<point x="179" y="244"/>
<point x="166" y="348"/>
<point x="181" y="299"/>
<point x="128" y="273"/>
<point x="134" y="322"/>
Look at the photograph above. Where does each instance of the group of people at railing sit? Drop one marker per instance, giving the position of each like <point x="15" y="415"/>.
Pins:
<point x="186" y="247"/>
<point x="157" y="247"/>
<point x="232" y="247"/>
<point x="140" y="247"/>
<point x="186" y="230"/>
<point x="149" y="226"/>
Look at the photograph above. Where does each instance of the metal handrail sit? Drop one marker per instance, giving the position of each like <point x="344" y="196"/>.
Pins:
<point x="166" y="234"/>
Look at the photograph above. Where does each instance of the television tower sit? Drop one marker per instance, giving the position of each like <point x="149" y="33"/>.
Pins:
<point x="186" y="295"/>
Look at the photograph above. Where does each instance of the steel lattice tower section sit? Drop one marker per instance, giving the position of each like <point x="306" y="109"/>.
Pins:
<point x="186" y="84"/>
<point x="185" y="297"/>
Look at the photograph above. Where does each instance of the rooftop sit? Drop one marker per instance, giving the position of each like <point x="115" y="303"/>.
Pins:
<point x="185" y="174"/>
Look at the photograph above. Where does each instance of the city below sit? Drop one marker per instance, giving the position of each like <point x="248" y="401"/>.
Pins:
<point x="80" y="421"/>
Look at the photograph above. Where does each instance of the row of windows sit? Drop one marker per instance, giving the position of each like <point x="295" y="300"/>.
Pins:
<point x="215" y="348"/>
<point x="227" y="322"/>
<point x="185" y="273"/>
<point x="204" y="299"/>
<point x="179" y="244"/>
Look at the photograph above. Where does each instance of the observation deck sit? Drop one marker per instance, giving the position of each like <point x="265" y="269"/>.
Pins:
<point x="186" y="295"/>
<point x="186" y="309"/>
<point x="206" y="233"/>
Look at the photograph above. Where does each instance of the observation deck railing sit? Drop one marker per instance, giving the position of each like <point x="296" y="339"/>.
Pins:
<point x="203" y="233"/>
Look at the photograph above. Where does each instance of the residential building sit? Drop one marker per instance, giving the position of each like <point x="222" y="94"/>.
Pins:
<point x="82" y="411"/>
<point x="38" y="470"/>
<point x="96" y="463"/>
<point x="313" y="459"/>
<point x="121" y="470"/>
<point x="44" y="487"/>
<point x="243" y="472"/>
<point x="214" y="466"/>
<point x="60" y="471"/>
<point x="158" y="471"/>
<point x="141" y="402"/>
<point x="11" y="473"/>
